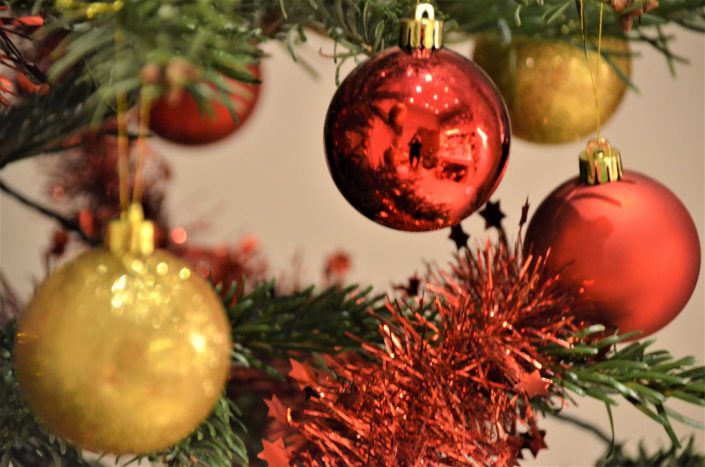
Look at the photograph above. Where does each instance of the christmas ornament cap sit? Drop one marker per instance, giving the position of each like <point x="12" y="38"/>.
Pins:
<point x="423" y="32"/>
<point x="130" y="233"/>
<point x="600" y="163"/>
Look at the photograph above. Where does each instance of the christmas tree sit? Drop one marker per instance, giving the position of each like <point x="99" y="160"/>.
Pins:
<point x="147" y="343"/>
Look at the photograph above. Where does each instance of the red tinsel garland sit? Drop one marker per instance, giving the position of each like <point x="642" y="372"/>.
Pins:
<point x="453" y="381"/>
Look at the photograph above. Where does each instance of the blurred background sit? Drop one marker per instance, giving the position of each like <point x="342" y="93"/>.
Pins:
<point x="270" y="180"/>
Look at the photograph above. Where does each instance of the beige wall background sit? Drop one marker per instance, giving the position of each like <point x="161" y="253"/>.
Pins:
<point x="270" y="179"/>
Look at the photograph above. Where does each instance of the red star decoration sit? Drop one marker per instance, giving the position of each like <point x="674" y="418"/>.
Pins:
<point x="459" y="237"/>
<point x="301" y="373"/>
<point x="412" y="288"/>
<point x="277" y="410"/>
<point x="274" y="454"/>
<point x="537" y="442"/>
<point x="493" y="215"/>
<point x="532" y="384"/>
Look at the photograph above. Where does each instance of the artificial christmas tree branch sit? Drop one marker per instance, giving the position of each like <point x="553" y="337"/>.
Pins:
<point x="159" y="49"/>
<point x="688" y="456"/>
<point x="66" y="223"/>
<point x="43" y="124"/>
<point x="267" y="327"/>
<point x="646" y="379"/>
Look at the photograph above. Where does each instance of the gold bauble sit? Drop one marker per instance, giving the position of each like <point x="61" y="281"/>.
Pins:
<point x="547" y="85"/>
<point x="123" y="352"/>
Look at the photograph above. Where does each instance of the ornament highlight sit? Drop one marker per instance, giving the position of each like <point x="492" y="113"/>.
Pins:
<point x="417" y="138"/>
<point x="124" y="349"/>
<point x="179" y="119"/>
<point x="620" y="240"/>
<point x="548" y="87"/>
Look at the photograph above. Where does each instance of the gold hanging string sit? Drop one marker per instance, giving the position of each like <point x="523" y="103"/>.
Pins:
<point x="145" y="103"/>
<point x="122" y="140"/>
<point x="594" y="78"/>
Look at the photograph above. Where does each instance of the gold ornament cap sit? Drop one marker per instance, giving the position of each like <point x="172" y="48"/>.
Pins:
<point x="131" y="233"/>
<point x="424" y="32"/>
<point x="600" y="163"/>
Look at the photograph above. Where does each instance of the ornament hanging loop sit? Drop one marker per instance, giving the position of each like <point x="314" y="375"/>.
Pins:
<point x="423" y="32"/>
<point x="600" y="163"/>
<point x="424" y="11"/>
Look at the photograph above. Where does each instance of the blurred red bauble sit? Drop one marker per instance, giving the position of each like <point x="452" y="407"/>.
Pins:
<point x="179" y="119"/>
<point x="629" y="249"/>
<point x="417" y="139"/>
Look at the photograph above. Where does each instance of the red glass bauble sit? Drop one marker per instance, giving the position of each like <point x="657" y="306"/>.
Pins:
<point x="181" y="121"/>
<point x="417" y="141"/>
<point x="628" y="249"/>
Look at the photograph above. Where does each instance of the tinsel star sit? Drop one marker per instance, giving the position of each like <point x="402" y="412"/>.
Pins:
<point x="274" y="454"/>
<point x="459" y="237"/>
<point x="412" y="287"/>
<point x="493" y="215"/>
<point x="533" y="385"/>
<point x="535" y="442"/>
<point x="276" y="409"/>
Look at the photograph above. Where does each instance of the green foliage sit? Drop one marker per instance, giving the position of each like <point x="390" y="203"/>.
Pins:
<point x="104" y="54"/>
<point x="671" y="457"/>
<point x="40" y="124"/>
<point x="217" y="442"/>
<point x="360" y="27"/>
<point x="647" y="379"/>
<point x="560" y="18"/>
<point x="267" y="326"/>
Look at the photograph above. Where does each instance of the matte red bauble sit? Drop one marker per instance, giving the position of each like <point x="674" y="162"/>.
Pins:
<point x="180" y="120"/>
<point x="628" y="248"/>
<point x="417" y="138"/>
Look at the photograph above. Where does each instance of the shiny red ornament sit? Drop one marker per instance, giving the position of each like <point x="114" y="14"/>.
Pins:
<point x="628" y="248"/>
<point x="180" y="119"/>
<point x="417" y="140"/>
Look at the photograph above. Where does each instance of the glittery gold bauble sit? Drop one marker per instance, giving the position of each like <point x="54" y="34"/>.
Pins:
<point x="123" y="353"/>
<point x="547" y="85"/>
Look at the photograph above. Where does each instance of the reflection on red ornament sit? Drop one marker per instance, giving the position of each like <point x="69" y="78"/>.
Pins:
<point x="417" y="141"/>
<point x="182" y="121"/>
<point x="629" y="249"/>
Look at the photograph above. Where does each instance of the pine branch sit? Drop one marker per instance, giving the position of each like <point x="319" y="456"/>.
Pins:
<point x="672" y="457"/>
<point x="646" y="379"/>
<point x="68" y="224"/>
<point x="217" y="442"/>
<point x="266" y="326"/>
<point x="616" y="455"/>
<point x="194" y="44"/>
<point x="41" y="124"/>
